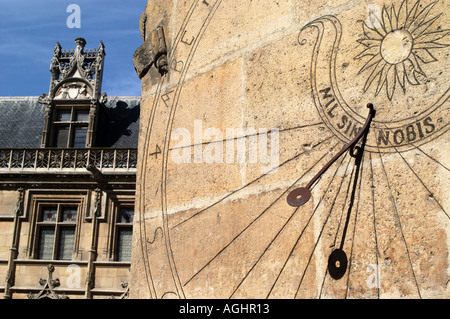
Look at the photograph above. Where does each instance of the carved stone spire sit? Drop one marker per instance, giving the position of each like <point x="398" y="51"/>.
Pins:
<point x="76" y="73"/>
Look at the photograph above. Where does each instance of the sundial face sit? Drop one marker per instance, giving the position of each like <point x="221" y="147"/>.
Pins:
<point x="215" y="222"/>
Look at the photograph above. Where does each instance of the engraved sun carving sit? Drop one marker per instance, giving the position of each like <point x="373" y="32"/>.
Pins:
<point x="397" y="44"/>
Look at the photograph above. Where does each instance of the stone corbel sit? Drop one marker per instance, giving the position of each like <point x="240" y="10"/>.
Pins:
<point x="152" y="52"/>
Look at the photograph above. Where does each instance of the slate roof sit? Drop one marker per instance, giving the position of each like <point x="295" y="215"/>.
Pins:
<point x="22" y="120"/>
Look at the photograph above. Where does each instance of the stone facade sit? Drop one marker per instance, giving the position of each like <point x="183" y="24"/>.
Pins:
<point x="214" y="222"/>
<point x="67" y="185"/>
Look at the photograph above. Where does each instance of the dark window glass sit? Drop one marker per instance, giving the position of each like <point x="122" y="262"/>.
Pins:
<point x="124" y="244"/>
<point x="70" y="128"/>
<point x="46" y="239"/>
<point x="66" y="241"/>
<point x="79" y="137"/>
<point x="64" y="115"/>
<point x="82" y="116"/>
<point x="62" y="135"/>
<point x="126" y="215"/>
<point x="56" y="232"/>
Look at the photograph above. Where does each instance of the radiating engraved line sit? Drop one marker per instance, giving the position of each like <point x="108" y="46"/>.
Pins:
<point x="303" y="231"/>
<point x="264" y="252"/>
<point x="304" y="228"/>
<point x="394" y="206"/>
<point x="432" y="158"/>
<point x="374" y="223"/>
<point x="256" y="219"/>
<point x="250" y="183"/>
<point x="355" y="179"/>
<point x="354" y="230"/>
<point x="278" y="233"/>
<point x="342" y="213"/>
<point x="323" y="228"/>
<point x="245" y="136"/>
<point x="420" y="180"/>
<point x="422" y="151"/>
<point x="343" y="207"/>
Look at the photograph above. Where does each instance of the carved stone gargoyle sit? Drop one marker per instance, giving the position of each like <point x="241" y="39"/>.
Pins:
<point x="152" y="52"/>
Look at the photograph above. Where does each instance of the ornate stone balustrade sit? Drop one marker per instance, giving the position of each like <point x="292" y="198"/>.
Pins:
<point x="58" y="159"/>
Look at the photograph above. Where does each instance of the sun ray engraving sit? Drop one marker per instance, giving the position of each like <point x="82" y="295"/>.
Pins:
<point x="396" y="45"/>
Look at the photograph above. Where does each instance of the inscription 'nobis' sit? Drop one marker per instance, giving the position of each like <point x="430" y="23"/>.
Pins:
<point x="385" y="137"/>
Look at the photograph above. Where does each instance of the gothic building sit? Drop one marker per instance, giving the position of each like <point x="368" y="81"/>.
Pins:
<point x="67" y="184"/>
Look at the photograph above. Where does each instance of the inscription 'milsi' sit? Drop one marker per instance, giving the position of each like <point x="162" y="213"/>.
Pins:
<point x="344" y="123"/>
<point x="385" y="137"/>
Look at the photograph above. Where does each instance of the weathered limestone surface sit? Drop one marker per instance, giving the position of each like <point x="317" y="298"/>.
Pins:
<point x="211" y="225"/>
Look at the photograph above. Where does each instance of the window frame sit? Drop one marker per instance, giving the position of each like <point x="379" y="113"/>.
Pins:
<point x="57" y="225"/>
<point x="71" y="124"/>
<point x="120" y="226"/>
<point x="40" y="197"/>
<point x="116" y="202"/>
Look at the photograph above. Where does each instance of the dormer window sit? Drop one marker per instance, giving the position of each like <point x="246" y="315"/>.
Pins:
<point x="70" y="127"/>
<point x="74" y="97"/>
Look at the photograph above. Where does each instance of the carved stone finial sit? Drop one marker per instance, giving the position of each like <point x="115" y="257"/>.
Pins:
<point x="76" y="74"/>
<point x="80" y="42"/>
<point x="49" y="285"/>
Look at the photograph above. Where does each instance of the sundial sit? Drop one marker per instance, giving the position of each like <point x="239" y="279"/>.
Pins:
<point x="354" y="104"/>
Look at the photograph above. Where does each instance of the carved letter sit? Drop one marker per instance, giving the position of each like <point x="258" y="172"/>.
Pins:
<point x="74" y="20"/>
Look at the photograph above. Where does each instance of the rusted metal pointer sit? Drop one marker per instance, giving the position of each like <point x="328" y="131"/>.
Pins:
<point x="301" y="195"/>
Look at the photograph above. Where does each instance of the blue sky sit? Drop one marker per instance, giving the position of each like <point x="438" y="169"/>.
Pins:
<point x="29" y="30"/>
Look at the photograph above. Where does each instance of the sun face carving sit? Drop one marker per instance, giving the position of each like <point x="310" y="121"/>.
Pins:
<point x="397" y="44"/>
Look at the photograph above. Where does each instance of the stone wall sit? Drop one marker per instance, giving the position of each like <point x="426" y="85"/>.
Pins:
<point x="257" y="97"/>
<point x="92" y="262"/>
